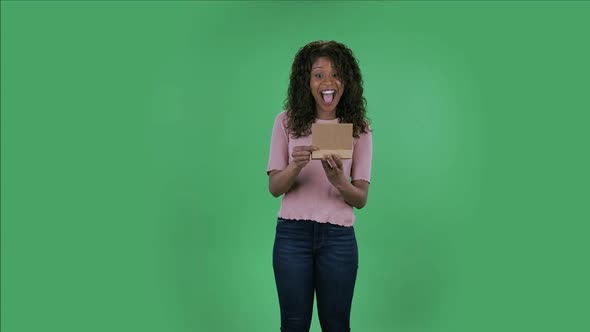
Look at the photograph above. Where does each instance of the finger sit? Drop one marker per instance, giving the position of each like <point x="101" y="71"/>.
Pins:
<point x="301" y="158"/>
<point x="330" y="161"/>
<point x="325" y="165"/>
<point x="337" y="160"/>
<point x="301" y="162"/>
<point x="301" y="153"/>
<point x="309" y="148"/>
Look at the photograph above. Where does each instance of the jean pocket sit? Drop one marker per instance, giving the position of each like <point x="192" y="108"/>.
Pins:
<point x="336" y="230"/>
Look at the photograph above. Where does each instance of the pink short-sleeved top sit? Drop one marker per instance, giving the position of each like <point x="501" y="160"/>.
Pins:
<point x="312" y="196"/>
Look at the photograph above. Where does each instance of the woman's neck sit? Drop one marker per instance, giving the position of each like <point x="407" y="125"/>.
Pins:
<point x="325" y="115"/>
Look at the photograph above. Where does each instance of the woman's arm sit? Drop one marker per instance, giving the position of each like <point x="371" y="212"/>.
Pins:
<point x="354" y="193"/>
<point x="280" y="182"/>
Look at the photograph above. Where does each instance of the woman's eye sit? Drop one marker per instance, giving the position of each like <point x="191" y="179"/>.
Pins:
<point x="318" y="75"/>
<point x="335" y="75"/>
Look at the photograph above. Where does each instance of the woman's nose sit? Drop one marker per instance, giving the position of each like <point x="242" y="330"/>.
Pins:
<point x="328" y="79"/>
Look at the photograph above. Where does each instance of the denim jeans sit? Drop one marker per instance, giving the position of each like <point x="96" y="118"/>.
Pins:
<point x="309" y="256"/>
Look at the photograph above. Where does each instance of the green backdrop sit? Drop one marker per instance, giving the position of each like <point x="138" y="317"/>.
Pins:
<point x="135" y="138"/>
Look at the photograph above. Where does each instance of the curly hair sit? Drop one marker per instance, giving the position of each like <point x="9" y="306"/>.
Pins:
<point x="300" y="104"/>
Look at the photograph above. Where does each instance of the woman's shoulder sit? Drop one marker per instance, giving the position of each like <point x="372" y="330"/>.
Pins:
<point x="282" y="115"/>
<point x="366" y="136"/>
<point x="282" y="118"/>
<point x="368" y="130"/>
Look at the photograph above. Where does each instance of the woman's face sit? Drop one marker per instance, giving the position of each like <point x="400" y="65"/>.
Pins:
<point x="326" y="86"/>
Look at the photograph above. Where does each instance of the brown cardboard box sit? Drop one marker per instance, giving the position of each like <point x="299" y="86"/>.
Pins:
<point x="332" y="138"/>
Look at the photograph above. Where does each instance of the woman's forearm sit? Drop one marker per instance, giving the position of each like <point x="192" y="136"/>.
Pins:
<point x="281" y="181"/>
<point x="354" y="195"/>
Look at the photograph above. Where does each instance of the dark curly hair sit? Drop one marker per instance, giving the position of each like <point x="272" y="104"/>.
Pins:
<point x="300" y="105"/>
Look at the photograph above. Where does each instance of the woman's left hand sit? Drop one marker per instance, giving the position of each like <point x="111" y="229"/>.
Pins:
<point x="333" y="168"/>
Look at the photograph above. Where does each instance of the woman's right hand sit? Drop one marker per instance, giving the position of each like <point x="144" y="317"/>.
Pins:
<point x="281" y="181"/>
<point x="302" y="155"/>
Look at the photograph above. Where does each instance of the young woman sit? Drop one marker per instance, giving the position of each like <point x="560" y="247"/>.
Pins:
<point x="315" y="247"/>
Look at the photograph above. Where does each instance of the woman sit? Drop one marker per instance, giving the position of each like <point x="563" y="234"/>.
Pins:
<point x="315" y="247"/>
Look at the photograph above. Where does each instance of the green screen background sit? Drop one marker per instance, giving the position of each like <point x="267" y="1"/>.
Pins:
<point x="135" y="138"/>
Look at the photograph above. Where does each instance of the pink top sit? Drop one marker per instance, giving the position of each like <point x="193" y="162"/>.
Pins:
<point x="312" y="196"/>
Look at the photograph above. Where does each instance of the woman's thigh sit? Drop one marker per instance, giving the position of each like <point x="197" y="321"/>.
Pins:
<point x="336" y="268"/>
<point x="293" y="269"/>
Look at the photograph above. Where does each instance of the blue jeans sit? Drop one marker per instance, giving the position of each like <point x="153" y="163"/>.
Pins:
<point x="309" y="256"/>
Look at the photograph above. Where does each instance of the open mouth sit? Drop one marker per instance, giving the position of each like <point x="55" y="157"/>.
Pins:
<point x="328" y="96"/>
